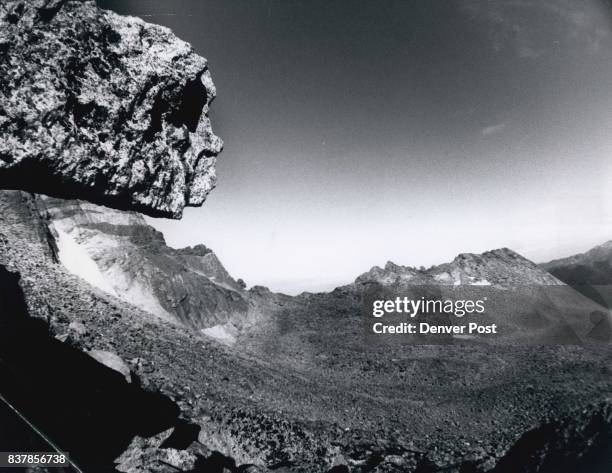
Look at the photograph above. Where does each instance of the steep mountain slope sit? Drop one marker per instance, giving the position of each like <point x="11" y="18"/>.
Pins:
<point x="103" y="107"/>
<point x="120" y="253"/>
<point x="589" y="273"/>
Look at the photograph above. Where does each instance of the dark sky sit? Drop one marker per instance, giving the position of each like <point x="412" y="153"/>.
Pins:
<point x="358" y="132"/>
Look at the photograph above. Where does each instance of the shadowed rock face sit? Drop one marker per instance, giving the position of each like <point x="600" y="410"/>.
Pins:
<point x="104" y="108"/>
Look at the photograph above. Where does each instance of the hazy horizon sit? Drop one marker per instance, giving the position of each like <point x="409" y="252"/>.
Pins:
<point x="408" y="131"/>
<point x="294" y="286"/>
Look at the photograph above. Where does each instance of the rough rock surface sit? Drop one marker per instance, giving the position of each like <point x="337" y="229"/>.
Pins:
<point x="118" y="252"/>
<point x="147" y="454"/>
<point x="102" y="107"/>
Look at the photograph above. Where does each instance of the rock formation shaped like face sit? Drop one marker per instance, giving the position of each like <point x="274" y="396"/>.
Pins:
<point x="104" y="108"/>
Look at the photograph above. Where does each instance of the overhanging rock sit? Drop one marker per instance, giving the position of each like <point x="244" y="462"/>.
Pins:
<point x="104" y="108"/>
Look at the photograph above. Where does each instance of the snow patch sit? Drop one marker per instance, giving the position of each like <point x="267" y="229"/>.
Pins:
<point x="113" y="280"/>
<point x="76" y="260"/>
<point x="443" y="277"/>
<point x="136" y="292"/>
<point x="224" y="333"/>
<point x="481" y="282"/>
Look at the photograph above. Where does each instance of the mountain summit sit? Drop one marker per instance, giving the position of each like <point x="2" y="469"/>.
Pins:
<point x="501" y="268"/>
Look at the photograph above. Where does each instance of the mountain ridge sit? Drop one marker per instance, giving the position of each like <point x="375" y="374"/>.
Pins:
<point x="499" y="267"/>
<point x="596" y="253"/>
<point x="590" y="272"/>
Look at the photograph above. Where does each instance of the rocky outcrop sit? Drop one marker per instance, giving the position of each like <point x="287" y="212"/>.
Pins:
<point x="119" y="253"/>
<point x="104" y="108"/>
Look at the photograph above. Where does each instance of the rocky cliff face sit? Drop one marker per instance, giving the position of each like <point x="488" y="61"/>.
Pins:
<point x="104" y="108"/>
<point x="120" y="253"/>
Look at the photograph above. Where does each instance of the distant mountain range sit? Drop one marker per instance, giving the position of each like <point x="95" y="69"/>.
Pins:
<point x="498" y="268"/>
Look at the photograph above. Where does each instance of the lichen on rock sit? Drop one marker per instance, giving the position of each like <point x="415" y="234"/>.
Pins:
<point x="104" y="108"/>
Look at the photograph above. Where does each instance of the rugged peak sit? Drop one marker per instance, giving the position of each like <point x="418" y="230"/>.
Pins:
<point x="197" y="250"/>
<point x="391" y="274"/>
<point x="501" y="267"/>
<point x="502" y="254"/>
<point x="502" y="257"/>
<point x="104" y="108"/>
<point x="391" y="266"/>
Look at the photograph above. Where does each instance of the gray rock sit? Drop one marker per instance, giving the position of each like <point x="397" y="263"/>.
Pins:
<point x="77" y="327"/>
<point x="145" y="454"/>
<point x="104" y="108"/>
<point x="62" y="337"/>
